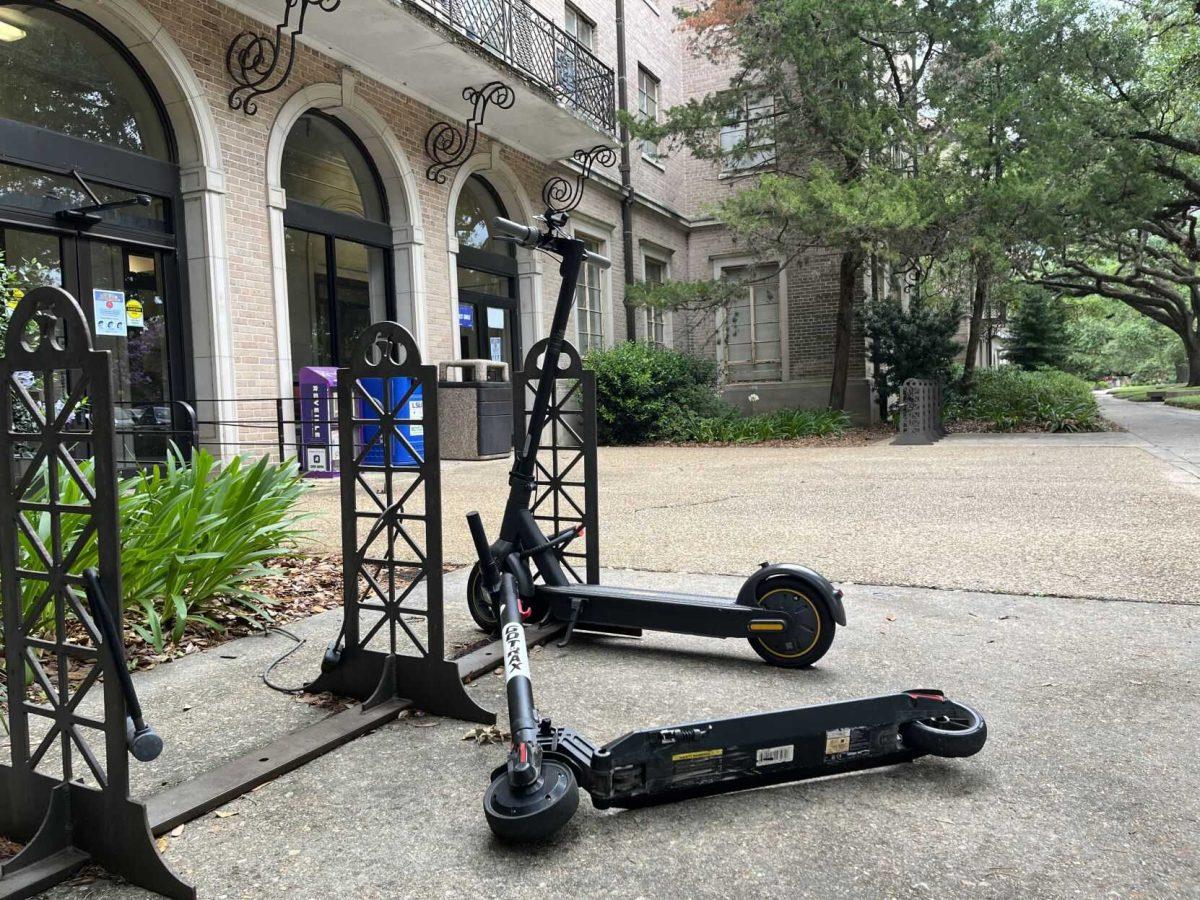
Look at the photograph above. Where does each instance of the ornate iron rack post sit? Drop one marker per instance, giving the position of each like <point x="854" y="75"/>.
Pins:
<point x="259" y="64"/>
<point x="567" y="492"/>
<point x="68" y="801"/>
<point x="448" y="145"/>
<point x="391" y="485"/>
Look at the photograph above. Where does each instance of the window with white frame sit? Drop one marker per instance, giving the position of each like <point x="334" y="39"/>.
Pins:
<point x="589" y="303"/>
<point x="581" y="27"/>
<point x="748" y="140"/>
<point x="753" y="350"/>
<point x="649" y="100"/>
<point x="655" y="319"/>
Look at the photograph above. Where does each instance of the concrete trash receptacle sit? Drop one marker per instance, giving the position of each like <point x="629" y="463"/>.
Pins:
<point x="475" y="413"/>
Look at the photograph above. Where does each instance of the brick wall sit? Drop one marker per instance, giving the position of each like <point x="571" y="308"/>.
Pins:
<point x="669" y="219"/>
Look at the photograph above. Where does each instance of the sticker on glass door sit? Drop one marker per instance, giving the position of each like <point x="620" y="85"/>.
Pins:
<point x="110" y="313"/>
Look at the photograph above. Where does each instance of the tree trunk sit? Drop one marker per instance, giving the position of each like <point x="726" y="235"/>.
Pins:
<point x="843" y="333"/>
<point x="975" y="330"/>
<point x="1193" y="358"/>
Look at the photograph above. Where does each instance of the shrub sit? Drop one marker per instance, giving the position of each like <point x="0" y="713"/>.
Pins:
<point x="1185" y="401"/>
<point x="640" y="389"/>
<point x="687" y="427"/>
<point x="917" y="342"/>
<point x="191" y="537"/>
<point x="1008" y="398"/>
<point x="1038" y="331"/>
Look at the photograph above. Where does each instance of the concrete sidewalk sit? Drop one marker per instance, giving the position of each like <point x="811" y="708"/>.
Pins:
<point x="1076" y="515"/>
<point x="1170" y="433"/>
<point x="1084" y="788"/>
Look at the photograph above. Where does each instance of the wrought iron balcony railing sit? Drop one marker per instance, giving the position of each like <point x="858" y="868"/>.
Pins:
<point x="531" y="43"/>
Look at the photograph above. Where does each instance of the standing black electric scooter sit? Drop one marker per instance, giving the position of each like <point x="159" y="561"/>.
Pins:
<point x="537" y="791"/>
<point x="788" y="613"/>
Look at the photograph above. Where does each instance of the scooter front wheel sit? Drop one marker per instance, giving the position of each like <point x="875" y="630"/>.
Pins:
<point x="535" y="813"/>
<point x="958" y="732"/>
<point x="814" y="631"/>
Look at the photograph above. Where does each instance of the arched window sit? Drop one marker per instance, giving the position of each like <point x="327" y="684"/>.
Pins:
<point x="336" y="241"/>
<point x="81" y="127"/>
<point x="487" y="269"/>
<point x="58" y="73"/>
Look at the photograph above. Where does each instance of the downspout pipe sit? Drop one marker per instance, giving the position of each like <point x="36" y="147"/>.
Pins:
<point x="626" y="170"/>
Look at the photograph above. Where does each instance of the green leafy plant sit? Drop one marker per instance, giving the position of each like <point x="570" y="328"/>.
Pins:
<point x="191" y="538"/>
<point x="1008" y="398"/>
<point x="639" y="388"/>
<point x="789" y="424"/>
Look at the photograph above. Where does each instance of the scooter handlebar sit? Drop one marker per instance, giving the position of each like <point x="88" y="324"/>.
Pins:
<point x="528" y="236"/>
<point x="522" y="234"/>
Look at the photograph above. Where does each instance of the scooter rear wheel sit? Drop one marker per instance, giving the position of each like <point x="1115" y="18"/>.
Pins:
<point x="480" y="604"/>
<point x="960" y="731"/>
<point x="805" y="645"/>
<point x="536" y="813"/>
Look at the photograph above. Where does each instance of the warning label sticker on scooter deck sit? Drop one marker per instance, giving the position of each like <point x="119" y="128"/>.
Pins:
<point x="697" y="754"/>
<point x="846" y="743"/>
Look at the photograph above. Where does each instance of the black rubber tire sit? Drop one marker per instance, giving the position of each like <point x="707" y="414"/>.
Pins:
<point x="961" y="732"/>
<point x="797" y="597"/>
<point x="549" y="809"/>
<point x="480" y="604"/>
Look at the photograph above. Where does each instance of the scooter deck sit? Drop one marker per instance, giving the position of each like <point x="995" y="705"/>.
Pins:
<point x="627" y="608"/>
<point x="661" y="765"/>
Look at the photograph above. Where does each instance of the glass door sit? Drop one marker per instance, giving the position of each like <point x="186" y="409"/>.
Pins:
<point x="487" y="317"/>
<point x="122" y="289"/>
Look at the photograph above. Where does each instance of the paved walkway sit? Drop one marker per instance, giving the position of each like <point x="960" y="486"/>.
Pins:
<point x="1083" y="515"/>
<point x="1171" y="433"/>
<point x="1081" y="790"/>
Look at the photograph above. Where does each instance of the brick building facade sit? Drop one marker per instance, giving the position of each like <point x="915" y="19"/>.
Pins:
<point x="231" y="255"/>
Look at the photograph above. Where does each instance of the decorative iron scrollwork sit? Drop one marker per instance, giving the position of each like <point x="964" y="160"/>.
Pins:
<point x="259" y="63"/>
<point x="448" y="145"/>
<point x="561" y="195"/>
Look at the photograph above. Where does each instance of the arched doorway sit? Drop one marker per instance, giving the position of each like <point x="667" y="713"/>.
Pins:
<point x="89" y="198"/>
<point x="337" y="241"/>
<point x="488" y="304"/>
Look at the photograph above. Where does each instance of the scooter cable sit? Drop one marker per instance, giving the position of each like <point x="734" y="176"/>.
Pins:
<point x="266" y="675"/>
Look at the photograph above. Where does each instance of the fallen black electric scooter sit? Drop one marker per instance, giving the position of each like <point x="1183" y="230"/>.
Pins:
<point x="536" y="792"/>
<point x="788" y="613"/>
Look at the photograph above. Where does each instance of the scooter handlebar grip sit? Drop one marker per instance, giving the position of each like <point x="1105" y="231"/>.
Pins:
<point x="597" y="260"/>
<point x="523" y="234"/>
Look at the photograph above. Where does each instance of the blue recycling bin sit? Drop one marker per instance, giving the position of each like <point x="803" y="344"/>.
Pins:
<point x="387" y="393"/>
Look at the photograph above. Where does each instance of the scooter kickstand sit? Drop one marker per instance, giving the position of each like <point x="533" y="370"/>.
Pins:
<point x="576" y="606"/>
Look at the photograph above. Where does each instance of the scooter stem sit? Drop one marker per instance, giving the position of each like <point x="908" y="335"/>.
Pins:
<point x="525" y="758"/>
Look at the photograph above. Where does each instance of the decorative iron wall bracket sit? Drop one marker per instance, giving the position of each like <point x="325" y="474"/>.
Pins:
<point x="447" y="145"/>
<point x="260" y="63"/>
<point x="563" y="196"/>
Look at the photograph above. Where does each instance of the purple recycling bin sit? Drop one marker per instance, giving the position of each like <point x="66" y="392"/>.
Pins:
<point x="318" y="432"/>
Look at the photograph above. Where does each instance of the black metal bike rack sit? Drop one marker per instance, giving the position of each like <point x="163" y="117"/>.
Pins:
<point x="71" y="805"/>
<point x="567" y="493"/>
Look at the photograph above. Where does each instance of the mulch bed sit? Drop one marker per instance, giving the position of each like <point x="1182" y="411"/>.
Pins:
<point x="299" y="586"/>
